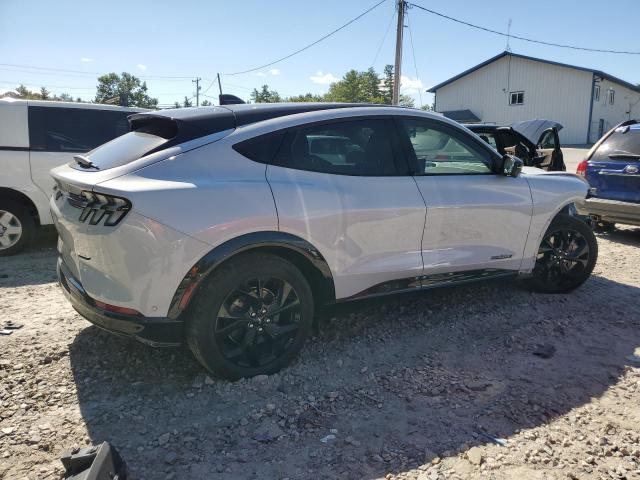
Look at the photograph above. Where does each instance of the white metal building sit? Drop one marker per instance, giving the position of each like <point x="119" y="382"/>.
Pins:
<point x="510" y="87"/>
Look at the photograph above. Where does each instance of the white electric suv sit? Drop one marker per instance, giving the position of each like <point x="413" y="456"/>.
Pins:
<point x="226" y="226"/>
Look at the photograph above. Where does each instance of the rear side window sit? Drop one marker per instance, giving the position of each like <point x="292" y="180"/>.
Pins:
<point x="53" y="129"/>
<point x="355" y="147"/>
<point x="622" y="144"/>
<point x="261" y="149"/>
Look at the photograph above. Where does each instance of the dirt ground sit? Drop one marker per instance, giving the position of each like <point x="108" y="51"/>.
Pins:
<point x="416" y="386"/>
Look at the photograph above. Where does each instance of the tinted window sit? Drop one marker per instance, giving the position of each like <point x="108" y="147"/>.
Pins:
<point x="124" y="149"/>
<point x="73" y="129"/>
<point x="439" y="152"/>
<point x="260" y="149"/>
<point x="548" y="140"/>
<point x="623" y="141"/>
<point x="357" y="147"/>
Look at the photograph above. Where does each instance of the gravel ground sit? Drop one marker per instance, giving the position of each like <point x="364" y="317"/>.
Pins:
<point x="414" y="386"/>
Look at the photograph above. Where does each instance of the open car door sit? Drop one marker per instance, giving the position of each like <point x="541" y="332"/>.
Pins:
<point x="549" y="152"/>
<point x="544" y="135"/>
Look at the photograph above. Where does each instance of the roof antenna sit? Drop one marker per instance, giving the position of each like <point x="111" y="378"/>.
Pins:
<point x="508" y="47"/>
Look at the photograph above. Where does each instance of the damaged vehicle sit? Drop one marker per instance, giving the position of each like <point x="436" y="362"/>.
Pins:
<point x="612" y="168"/>
<point x="536" y="142"/>
<point x="226" y="227"/>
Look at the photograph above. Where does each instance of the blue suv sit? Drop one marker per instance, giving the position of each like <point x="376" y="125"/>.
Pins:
<point x="612" y="168"/>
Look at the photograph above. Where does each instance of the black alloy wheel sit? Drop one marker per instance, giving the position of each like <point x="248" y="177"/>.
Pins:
<point x="566" y="256"/>
<point x="257" y="321"/>
<point x="251" y="316"/>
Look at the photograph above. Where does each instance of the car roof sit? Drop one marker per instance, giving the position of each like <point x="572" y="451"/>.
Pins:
<point x="244" y="114"/>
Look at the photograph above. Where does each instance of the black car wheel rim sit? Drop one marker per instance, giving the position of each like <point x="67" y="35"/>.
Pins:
<point x="257" y="322"/>
<point x="563" y="257"/>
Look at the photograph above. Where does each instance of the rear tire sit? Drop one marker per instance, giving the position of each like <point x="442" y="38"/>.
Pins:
<point x="17" y="227"/>
<point x="566" y="257"/>
<point x="251" y="317"/>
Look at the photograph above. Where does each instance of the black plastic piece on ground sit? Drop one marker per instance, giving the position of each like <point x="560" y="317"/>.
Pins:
<point x="101" y="462"/>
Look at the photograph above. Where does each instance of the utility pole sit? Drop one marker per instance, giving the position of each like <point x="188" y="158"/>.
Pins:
<point x="198" y="87"/>
<point x="401" y="5"/>
<point x="219" y="84"/>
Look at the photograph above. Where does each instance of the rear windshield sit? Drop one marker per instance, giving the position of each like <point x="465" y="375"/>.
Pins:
<point x="622" y="144"/>
<point x="124" y="149"/>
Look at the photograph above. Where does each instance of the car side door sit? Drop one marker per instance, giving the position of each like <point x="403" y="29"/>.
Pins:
<point x="477" y="219"/>
<point x="549" y="147"/>
<point x="344" y="186"/>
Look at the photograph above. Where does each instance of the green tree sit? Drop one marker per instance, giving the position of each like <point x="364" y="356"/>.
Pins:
<point x="44" y="93"/>
<point x="124" y="89"/>
<point x="177" y="105"/>
<point x="307" y="97"/>
<point x="64" y="97"/>
<point x="206" y="103"/>
<point x="264" y="95"/>
<point x="187" y="103"/>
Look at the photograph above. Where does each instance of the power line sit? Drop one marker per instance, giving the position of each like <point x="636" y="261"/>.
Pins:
<point x="309" y="45"/>
<point x="413" y="52"/>
<point x="524" y="39"/>
<point x="384" y="37"/>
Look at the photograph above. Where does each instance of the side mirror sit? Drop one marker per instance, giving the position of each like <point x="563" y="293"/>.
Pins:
<point x="511" y="166"/>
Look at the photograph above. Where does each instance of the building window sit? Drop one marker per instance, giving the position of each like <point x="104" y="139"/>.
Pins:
<point x="612" y="96"/>
<point x="516" y="98"/>
<point x="596" y="93"/>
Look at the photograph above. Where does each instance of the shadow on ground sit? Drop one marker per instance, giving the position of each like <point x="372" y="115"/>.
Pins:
<point x="397" y="378"/>
<point x="627" y="236"/>
<point x="33" y="266"/>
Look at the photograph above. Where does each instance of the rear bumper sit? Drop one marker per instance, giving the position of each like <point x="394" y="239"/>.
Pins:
<point x="610" y="210"/>
<point x="154" y="331"/>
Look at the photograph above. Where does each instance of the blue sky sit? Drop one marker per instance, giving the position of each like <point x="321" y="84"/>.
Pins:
<point x="199" y="38"/>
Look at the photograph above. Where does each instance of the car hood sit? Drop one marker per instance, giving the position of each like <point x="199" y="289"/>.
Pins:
<point x="532" y="129"/>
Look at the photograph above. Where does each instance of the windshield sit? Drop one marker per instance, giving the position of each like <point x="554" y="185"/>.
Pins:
<point x="122" y="150"/>
<point x="622" y="144"/>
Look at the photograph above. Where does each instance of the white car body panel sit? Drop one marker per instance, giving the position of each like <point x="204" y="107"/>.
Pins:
<point x="472" y="218"/>
<point x="187" y="201"/>
<point x="368" y="229"/>
<point x="551" y="192"/>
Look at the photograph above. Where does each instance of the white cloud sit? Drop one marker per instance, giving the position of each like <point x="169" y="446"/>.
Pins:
<point x="141" y="66"/>
<point x="323" y="78"/>
<point x="259" y="74"/>
<point x="410" y="85"/>
<point x="274" y="71"/>
<point x="86" y="59"/>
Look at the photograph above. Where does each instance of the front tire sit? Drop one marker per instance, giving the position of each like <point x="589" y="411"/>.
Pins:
<point x="251" y="317"/>
<point x="17" y="227"/>
<point x="566" y="256"/>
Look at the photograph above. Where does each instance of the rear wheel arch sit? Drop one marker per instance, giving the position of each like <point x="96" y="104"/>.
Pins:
<point x="21" y="198"/>
<point x="294" y="249"/>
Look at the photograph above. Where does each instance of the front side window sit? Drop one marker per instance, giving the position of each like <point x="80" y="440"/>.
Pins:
<point x="58" y="129"/>
<point x="355" y="147"/>
<point x="439" y="152"/>
<point x="548" y="140"/>
<point x="516" y="98"/>
<point x="612" y="96"/>
<point x="596" y="93"/>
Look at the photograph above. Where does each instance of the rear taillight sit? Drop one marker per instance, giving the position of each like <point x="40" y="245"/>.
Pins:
<point x="582" y="168"/>
<point x="99" y="207"/>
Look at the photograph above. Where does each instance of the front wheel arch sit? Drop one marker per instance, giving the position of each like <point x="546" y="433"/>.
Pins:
<point x="292" y="248"/>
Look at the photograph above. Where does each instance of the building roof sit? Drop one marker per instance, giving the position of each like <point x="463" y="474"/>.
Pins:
<point x="599" y="73"/>
<point x="461" y="116"/>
